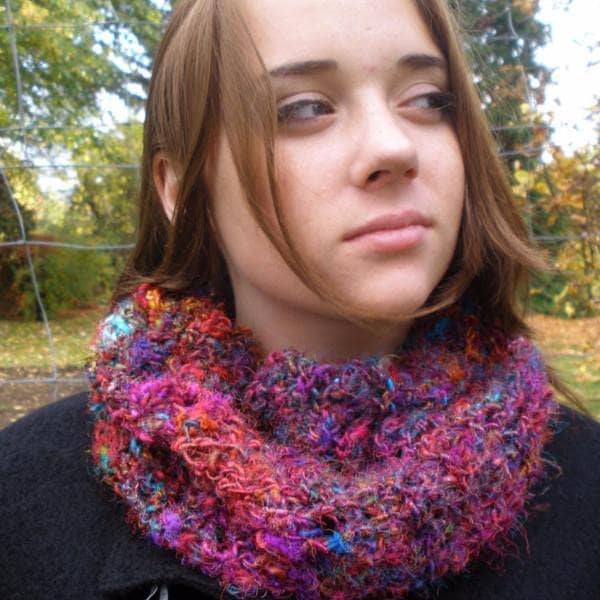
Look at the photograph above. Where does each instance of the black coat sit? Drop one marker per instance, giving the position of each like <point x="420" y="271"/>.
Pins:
<point x="63" y="535"/>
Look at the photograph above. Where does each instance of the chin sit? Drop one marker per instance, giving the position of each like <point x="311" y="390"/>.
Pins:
<point x="396" y="303"/>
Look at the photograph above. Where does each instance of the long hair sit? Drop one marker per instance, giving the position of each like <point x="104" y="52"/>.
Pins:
<point x="208" y="77"/>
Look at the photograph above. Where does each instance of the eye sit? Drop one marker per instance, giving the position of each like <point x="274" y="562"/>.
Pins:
<point x="435" y="102"/>
<point x="302" y="111"/>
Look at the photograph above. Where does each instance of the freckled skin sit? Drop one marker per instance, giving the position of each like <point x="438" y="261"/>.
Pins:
<point x="368" y="149"/>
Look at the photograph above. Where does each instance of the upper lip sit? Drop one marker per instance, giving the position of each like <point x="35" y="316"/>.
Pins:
<point x="389" y="222"/>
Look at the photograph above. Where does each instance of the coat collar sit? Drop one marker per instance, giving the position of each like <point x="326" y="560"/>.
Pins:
<point x="132" y="562"/>
<point x="135" y="562"/>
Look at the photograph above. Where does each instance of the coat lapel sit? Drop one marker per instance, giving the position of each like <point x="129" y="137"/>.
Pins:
<point x="134" y="562"/>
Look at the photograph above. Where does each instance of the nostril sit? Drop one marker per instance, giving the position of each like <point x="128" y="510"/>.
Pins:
<point x="374" y="176"/>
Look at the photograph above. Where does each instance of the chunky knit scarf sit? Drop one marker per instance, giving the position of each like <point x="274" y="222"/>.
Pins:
<point x="280" y="474"/>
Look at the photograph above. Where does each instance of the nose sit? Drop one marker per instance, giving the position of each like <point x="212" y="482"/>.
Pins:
<point x="385" y="151"/>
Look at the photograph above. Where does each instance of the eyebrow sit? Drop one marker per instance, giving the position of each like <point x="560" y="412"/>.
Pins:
<point x="412" y="62"/>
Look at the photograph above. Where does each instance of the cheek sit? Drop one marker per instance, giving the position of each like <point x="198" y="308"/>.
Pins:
<point x="248" y="252"/>
<point x="232" y="215"/>
<point x="243" y="243"/>
<point x="459" y="193"/>
<point x="310" y="181"/>
<point x="236" y="230"/>
<point x="446" y="171"/>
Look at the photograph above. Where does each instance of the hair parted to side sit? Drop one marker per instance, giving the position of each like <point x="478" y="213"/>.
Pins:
<point x="208" y="78"/>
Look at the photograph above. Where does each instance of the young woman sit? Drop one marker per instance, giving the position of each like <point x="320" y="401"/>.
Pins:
<point x="315" y="381"/>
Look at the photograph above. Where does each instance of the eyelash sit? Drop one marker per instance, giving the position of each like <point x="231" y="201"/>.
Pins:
<point x="443" y="102"/>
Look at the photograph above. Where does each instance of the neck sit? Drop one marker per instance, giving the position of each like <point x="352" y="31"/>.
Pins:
<point x="277" y="325"/>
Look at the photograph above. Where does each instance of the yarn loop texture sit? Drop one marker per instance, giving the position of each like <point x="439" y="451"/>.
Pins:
<point x="281" y="474"/>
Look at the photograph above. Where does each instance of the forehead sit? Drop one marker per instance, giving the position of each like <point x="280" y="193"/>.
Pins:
<point x="361" y="31"/>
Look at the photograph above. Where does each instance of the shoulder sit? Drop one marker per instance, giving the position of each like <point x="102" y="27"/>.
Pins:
<point x="45" y="461"/>
<point x="45" y="440"/>
<point x="560" y="551"/>
<point x="574" y="494"/>
<point x="51" y="508"/>
<point x="64" y="534"/>
<point x="576" y="448"/>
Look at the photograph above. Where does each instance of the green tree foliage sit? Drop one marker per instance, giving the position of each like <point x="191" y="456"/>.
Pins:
<point x="559" y="199"/>
<point x="13" y="259"/>
<point x="65" y="62"/>
<point x="71" y="56"/>
<point x="67" y="279"/>
<point x="102" y="205"/>
<point x="565" y="197"/>
<point x="503" y="37"/>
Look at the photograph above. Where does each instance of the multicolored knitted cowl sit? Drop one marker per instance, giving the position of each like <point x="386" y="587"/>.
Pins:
<point x="279" y="474"/>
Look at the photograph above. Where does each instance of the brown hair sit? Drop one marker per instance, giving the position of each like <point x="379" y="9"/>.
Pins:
<point x="207" y="74"/>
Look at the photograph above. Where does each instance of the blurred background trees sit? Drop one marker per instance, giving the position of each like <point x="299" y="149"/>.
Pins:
<point x="502" y="43"/>
<point x="59" y="71"/>
<point x="75" y="95"/>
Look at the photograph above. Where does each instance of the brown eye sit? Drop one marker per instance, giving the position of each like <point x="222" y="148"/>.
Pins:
<point x="302" y="111"/>
<point x="437" y="101"/>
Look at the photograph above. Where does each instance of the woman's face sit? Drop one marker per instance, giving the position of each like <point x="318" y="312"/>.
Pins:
<point x="362" y="137"/>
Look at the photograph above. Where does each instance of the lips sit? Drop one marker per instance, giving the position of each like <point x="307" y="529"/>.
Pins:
<point x="389" y="222"/>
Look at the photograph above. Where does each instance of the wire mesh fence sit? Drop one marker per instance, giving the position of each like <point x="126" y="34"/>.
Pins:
<point x="51" y="153"/>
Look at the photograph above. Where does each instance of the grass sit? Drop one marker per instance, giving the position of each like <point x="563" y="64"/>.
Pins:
<point x="570" y="345"/>
<point x="24" y="345"/>
<point x="25" y="354"/>
<point x="583" y="375"/>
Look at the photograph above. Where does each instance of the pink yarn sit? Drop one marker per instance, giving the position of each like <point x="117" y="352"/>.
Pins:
<point x="345" y="480"/>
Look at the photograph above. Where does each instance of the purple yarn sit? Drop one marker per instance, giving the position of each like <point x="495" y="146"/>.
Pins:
<point x="347" y="480"/>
